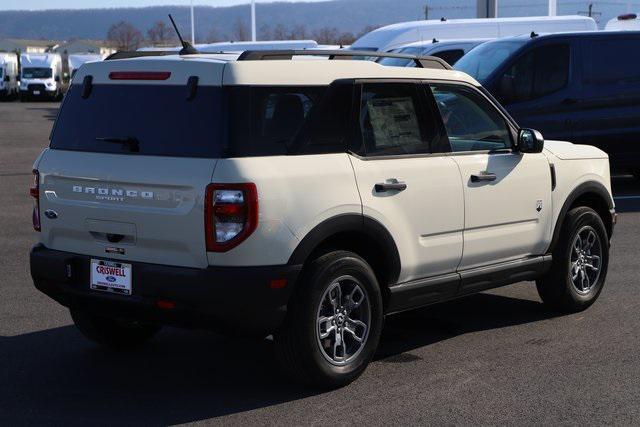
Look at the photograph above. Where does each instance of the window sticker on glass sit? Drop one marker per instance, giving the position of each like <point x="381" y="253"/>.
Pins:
<point x="394" y="122"/>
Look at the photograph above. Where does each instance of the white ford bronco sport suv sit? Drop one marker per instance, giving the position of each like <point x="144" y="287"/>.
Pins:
<point x="304" y="199"/>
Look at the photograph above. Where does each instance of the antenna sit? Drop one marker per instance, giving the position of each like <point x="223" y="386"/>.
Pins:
<point x="187" y="48"/>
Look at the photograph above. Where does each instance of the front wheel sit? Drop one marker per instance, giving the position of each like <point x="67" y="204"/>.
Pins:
<point x="580" y="263"/>
<point x="334" y="322"/>
<point x="111" y="332"/>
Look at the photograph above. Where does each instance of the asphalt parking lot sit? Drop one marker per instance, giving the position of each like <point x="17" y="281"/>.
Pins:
<point x="494" y="358"/>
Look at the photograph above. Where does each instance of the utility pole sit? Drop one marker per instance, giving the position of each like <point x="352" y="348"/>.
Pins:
<point x="253" y="20"/>
<point x="193" y="26"/>
<point x="426" y="12"/>
<point x="553" y="7"/>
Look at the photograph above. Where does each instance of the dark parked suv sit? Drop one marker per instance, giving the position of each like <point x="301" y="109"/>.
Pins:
<point x="579" y="87"/>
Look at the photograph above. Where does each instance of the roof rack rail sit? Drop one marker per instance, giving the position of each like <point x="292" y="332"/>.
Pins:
<point x="265" y="55"/>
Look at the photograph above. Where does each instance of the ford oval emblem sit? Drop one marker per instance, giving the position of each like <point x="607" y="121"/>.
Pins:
<point x="111" y="279"/>
<point x="51" y="214"/>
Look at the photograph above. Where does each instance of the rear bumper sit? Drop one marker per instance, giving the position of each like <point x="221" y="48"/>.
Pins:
<point x="227" y="299"/>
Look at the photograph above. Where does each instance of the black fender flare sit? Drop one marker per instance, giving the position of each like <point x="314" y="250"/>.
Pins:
<point x="350" y="223"/>
<point x="582" y="189"/>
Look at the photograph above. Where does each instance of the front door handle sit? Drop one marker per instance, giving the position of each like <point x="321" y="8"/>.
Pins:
<point x="483" y="176"/>
<point x="391" y="185"/>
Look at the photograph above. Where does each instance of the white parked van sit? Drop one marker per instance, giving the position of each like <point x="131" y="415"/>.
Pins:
<point x="627" y="22"/>
<point x="41" y="76"/>
<point x="393" y="36"/>
<point x="76" y="61"/>
<point x="9" y="77"/>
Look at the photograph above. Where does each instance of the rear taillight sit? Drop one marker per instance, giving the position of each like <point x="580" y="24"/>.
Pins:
<point x="231" y="215"/>
<point x="34" y="191"/>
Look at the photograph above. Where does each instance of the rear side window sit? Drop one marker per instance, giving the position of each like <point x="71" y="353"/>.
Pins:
<point x="541" y="71"/>
<point x="613" y="62"/>
<point x="393" y="120"/>
<point x="160" y="119"/>
<point x="449" y="56"/>
<point x="264" y="121"/>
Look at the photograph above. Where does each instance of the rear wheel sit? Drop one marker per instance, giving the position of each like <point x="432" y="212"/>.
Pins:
<point x="580" y="262"/>
<point x="334" y="322"/>
<point x="112" y="332"/>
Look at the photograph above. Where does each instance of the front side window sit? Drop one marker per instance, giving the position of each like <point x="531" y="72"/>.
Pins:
<point x="472" y="122"/>
<point x="481" y="62"/>
<point x="541" y="71"/>
<point x="393" y="121"/>
<point x="36" y="73"/>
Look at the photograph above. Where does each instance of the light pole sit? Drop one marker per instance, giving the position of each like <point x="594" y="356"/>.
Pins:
<point x="193" y="32"/>
<point x="253" y="20"/>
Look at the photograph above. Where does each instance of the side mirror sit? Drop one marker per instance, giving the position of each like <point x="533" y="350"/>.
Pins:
<point x="7" y="78"/>
<point x="57" y="79"/>
<point x="530" y="141"/>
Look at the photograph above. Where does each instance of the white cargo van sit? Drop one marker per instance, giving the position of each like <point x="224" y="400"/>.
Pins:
<point x="41" y="76"/>
<point x="393" y="36"/>
<point x="9" y="77"/>
<point x="76" y="61"/>
<point x="627" y="22"/>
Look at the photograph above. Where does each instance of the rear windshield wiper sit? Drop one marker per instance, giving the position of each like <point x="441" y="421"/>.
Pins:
<point x="132" y="143"/>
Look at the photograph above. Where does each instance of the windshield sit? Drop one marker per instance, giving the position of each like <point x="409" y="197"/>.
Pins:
<point x="482" y="61"/>
<point x="401" y="62"/>
<point x="36" y="73"/>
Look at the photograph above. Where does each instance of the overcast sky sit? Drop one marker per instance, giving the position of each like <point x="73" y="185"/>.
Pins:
<point x="85" y="4"/>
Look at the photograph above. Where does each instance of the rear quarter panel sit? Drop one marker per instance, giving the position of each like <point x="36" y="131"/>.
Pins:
<point x="295" y="193"/>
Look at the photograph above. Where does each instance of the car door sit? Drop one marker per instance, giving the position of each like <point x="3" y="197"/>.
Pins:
<point x="541" y="91"/>
<point x="507" y="194"/>
<point x="417" y="196"/>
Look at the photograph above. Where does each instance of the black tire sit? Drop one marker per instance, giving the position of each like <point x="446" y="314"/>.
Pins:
<point x="114" y="333"/>
<point x="557" y="289"/>
<point x="298" y="343"/>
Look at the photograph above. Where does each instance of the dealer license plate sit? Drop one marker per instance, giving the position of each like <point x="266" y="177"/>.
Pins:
<point x="110" y="276"/>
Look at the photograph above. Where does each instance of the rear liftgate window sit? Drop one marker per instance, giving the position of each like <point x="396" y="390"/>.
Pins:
<point x="153" y="120"/>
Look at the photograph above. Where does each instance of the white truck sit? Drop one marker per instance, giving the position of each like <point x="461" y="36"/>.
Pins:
<point x="41" y="76"/>
<point x="394" y="36"/>
<point x="9" y="77"/>
<point x="77" y="59"/>
<point x="303" y="199"/>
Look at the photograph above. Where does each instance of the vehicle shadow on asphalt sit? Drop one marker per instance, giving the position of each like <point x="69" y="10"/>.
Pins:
<point x="57" y="376"/>
<point x="48" y="113"/>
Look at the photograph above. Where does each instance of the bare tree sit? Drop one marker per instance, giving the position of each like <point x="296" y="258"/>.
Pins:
<point x="240" y="31"/>
<point x="264" y="32"/>
<point x="160" y="33"/>
<point x="345" y="39"/>
<point x="124" y="36"/>
<point x="326" y="35"/>
<point x="280" y="32"/>
<point x="299" y="32"/>
<point x="213" y="36"/>
<point x="367" y="30"/>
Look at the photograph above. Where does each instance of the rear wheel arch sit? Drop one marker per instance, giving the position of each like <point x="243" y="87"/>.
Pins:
<point x="589" y="194"/>
<point x="356" y="233"/>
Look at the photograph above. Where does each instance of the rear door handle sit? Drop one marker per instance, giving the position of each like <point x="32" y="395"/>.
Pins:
<point x="483" y="176"/>
<point x="392" y="185"/>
